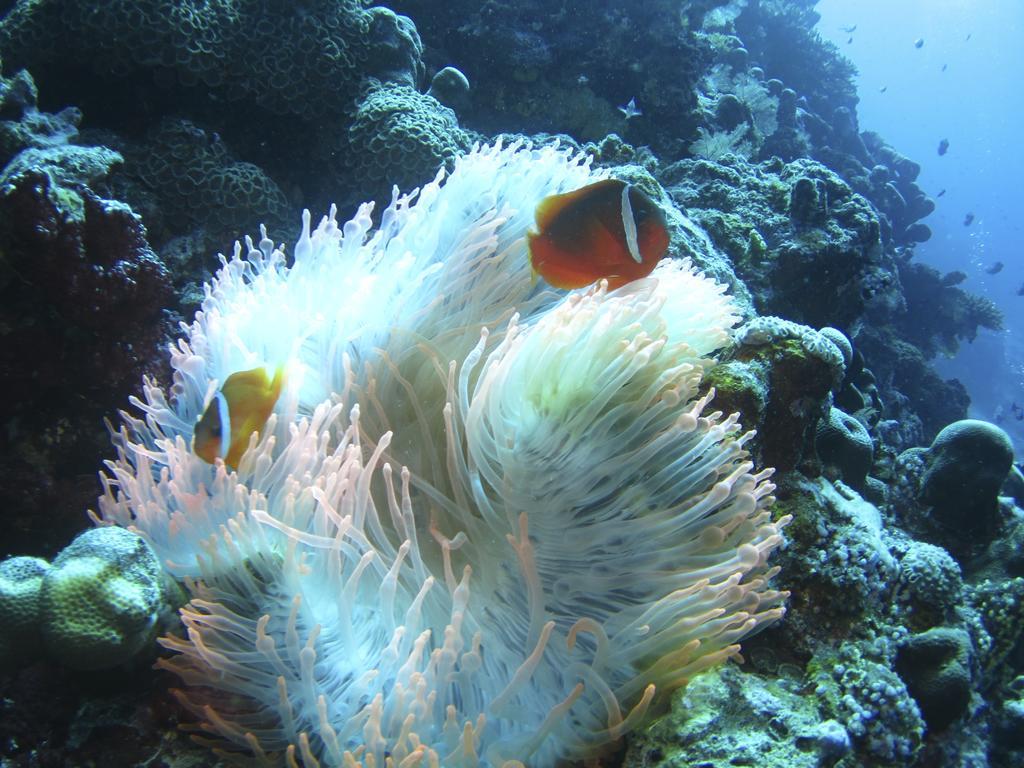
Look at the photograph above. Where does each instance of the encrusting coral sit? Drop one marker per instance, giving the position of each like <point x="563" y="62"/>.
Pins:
<point x="488" y="522"/>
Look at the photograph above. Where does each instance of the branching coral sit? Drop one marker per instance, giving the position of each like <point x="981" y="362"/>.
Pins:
<point x="487" y="523"/>
<point x="714" y="145"/>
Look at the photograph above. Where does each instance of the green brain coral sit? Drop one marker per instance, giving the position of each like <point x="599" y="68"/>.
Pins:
<point x="101" y="599"/>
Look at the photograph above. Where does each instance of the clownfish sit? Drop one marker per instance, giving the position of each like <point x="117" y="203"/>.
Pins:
<point x="608" y="229"/>
<point x="240" y="407"/>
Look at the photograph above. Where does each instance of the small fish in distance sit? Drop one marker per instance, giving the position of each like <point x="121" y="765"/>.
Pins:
<point x="630" y="109"/>
<point x="883" y="89"/>
<point x="919" y="42"/>
<point x="944" y="66"/>
<point x="850" y="40"/>
<point x="994" y="268"/>
<point x="943" y="146"/>
<point x="1018" y="412"/>
<point x="941" y="192"/>
<point x="968" y="219"/>
<point x="849" y="30"/>
<point x="1020" y="291"/>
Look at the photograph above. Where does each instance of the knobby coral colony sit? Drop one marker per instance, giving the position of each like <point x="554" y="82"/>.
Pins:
<point x="488" y="521"/>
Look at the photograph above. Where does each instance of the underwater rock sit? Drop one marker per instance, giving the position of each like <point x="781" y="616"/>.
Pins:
<point x="1009" y="724"/>
<point x="26" y="127"/>
<point x="906" y="169"/>
<point x="781" y="38"/>
<point x="18" y="96"/>
<point x="729" y="717"/>
<point x="839" y="563"/>
<point x="66" y="167"/>
<point x="808" y="202"/>
<point x="450" y="87"/>
<point x="83" y="285"/>
<point x="936" y="668"/>
<point x="918" y="401"/>
<point x="394" y="48"/>
<point x="779" y="376"/>
<point x="731" y="112"/>
<point x="1014" y="485"/>
<point x="199" y="187"/>
<point x="856" y="685"/>
<point x="1005" y="555"/>
<point x="917" y="233"/>
<point x="940" y="316"/>
<point x="967" y="464"/>
<point x="888" y="180"/>
<point x="534" y="72"/>
<point x="843" y="442"/>
<point x="947" y="494"/>
<point x="788" y="141"/>
<point x="842" y="342"/>
<point x="846" y="134"/>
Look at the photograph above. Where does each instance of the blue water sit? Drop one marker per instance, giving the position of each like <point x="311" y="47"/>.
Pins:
<point x="977" y="103"/>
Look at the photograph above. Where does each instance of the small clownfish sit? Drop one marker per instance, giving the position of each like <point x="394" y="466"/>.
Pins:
<point x="240" y="407"/>
<point x="608" y="229"/>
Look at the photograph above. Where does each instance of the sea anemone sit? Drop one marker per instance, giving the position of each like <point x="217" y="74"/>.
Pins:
<point x="488" y="522"/>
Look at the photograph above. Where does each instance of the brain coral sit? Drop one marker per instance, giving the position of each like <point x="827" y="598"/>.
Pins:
<point x="100" y="599"/>
<point x="967" y="464"/>
<point x="843" y="442"/>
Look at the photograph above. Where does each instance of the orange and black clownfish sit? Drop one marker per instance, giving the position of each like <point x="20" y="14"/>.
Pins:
<point x="240" y="407"/>
<point x="608" y="229"/>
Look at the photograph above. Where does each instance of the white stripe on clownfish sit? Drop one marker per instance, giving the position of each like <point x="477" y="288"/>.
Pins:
<point x="629" y="226"/>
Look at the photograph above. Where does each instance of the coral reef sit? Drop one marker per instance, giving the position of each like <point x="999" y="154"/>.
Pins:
<point x="533" y="72"/>
<point x="726" y="717"/>
<point x="433" y="517"/>
<point x="778" y="376"/>
<point x="197" y="182"/>
<point x="200" y="48"/>
<point x="83" y="300"/>
<point x="787" y="226"/>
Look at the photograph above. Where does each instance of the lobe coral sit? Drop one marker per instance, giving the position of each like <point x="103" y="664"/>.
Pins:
<point x="488" y="523"/>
